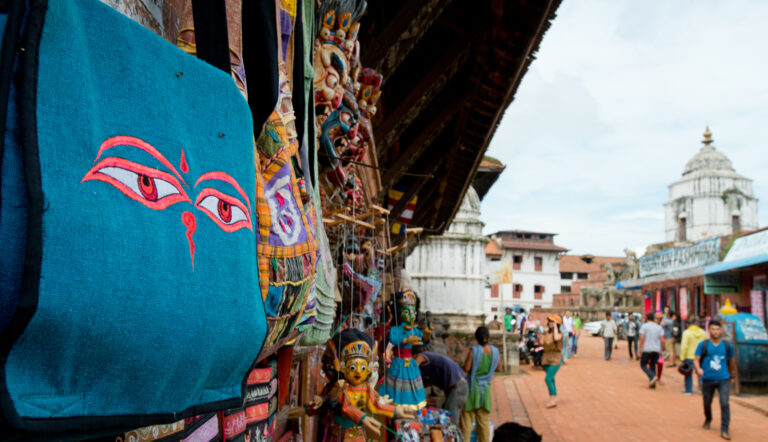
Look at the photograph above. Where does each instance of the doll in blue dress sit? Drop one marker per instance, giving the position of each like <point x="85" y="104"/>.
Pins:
<point x="403" y="383"/>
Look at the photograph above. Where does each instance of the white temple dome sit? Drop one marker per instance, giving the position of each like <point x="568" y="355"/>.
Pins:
<point x="708" y="158"/>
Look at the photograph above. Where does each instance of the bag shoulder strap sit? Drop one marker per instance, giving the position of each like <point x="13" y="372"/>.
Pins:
<point x="704" y="347"/>
<point x="211" y="37"/>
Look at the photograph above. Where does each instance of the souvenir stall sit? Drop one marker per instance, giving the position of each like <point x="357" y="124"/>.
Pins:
<point x="202" y="240"/>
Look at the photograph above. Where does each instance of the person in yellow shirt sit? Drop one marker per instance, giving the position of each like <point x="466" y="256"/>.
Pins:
<point x="692" y="335"/>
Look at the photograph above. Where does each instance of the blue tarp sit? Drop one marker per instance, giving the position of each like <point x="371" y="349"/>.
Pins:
<point x="736" y="263"/>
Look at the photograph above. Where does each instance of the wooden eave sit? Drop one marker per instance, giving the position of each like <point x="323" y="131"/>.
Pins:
<point x="451" y="68"/>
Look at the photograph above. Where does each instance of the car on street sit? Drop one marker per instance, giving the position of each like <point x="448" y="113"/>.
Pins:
<point x="592" y="327"/>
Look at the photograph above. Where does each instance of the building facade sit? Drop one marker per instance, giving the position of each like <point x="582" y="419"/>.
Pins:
<point x="710" y="199"/>
<point x="579" y="272"/>
<point x="523" y="270"/>
<point x="448" y="271"/>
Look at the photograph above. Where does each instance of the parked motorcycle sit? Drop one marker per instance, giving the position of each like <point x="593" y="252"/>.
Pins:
<point x="534" y="346"/>
<point x="523" y="354"/>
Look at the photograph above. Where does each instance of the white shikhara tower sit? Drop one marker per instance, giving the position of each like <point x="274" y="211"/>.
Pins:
<point x="448" y="271"/>
<point x="710" y="199"/>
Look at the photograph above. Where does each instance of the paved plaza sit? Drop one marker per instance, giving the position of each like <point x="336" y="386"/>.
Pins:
<point x="602" y="400"/>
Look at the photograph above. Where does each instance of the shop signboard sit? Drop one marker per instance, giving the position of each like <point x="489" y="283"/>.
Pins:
<point x="681" y="258"/>
<point x="722" y="283"/>
<point x="748" y="246"/>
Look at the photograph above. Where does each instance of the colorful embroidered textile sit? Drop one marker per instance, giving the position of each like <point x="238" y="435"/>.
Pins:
<point x="141" y="229"/>
<point x="325" y="286"/>
<point x="200" y="428"/>
<point x="286" y="247"/>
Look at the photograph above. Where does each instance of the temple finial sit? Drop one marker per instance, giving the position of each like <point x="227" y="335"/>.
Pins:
<point x="707" y="137"/>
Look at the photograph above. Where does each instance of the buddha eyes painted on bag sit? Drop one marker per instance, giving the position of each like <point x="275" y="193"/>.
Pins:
<point x="159" y="189"/>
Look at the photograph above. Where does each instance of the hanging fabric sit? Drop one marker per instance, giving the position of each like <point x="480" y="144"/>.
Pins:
<point x="286" y="246"/>
<point x="138" y="297"/>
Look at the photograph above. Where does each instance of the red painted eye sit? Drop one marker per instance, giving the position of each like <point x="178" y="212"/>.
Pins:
<point x="153" y="188"/>
<point x="225" y="211"/>
<point x="147" y="187"/>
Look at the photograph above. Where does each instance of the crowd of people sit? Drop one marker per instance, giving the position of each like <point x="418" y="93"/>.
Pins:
<point x="705" y="355"/>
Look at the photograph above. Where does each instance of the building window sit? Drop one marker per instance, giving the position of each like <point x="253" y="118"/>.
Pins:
<point x="581" y="276"/>
<point x="735" y="223"/>
<point x="565" y="289"/>
<point x="536" y="306"/>
<point x="496" y="258"/>
<point x="538" y="291"/>
<point x="495" y="291"/>
<point x="537" y="263"/>
<point x="566" y="275"/>
<point x="518" y="291"/>
<point x="681" y="229"/>
<point x="517" y="260"/>
<point x="494" y="309"/>
<point x="542" y="236"/>
<point x="527" y="236"/>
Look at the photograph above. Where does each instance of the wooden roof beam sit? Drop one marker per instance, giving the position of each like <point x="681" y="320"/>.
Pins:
<point x="396" y="41"/>
<point x="412" y="191"/>
<point x="422" y="94"/>
<point x="420" y="145"/>
<point x="512" y="86"/>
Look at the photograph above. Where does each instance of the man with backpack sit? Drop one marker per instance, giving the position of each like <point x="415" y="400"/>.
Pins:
<point x="714" y="364"/>
<point x="692" y="336"/>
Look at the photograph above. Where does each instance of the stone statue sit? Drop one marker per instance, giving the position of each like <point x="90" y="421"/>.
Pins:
<point x="611" y="273"/>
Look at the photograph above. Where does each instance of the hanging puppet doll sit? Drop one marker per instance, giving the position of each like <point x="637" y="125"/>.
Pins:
<point x="403" y="382"/>
<point x="351" y="403"/>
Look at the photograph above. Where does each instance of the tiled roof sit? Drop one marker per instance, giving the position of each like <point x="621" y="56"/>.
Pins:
<point x="575" y="263"/>
<point x="523" y="231"/>
<point x="491" y="165"/>
<point x="532" y="246"/>
<point x="492" y="249"/>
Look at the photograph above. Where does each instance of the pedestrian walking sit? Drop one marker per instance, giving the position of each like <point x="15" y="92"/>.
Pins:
<point x="576" y="333"/>
<point x="442" y="372"/>
<point x="482" y="361"/>
<point x="632" y="336"/>
<point x="692" y="336"/>
<point x="567" y="328"/>
<point x="552" y="357"/>
<point x="651" y="340"/>
<point x="509" y="319"/>
<point x="609" y="329"/>
<point x="714" y="364"/>
<point x="670" y="334"/>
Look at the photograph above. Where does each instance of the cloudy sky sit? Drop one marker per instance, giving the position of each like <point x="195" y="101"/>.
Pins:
<point x="613" y="108"/>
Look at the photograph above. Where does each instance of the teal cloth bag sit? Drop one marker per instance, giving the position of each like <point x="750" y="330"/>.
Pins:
<point x="133" y="297"/>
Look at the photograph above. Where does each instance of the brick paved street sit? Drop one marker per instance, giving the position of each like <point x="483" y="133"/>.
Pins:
<point x="610" y="400"/>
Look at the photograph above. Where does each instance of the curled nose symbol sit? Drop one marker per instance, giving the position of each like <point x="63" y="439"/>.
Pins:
<point x="189" y="221"/>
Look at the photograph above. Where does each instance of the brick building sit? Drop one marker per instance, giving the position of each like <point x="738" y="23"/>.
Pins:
<point x="581" y="271"/>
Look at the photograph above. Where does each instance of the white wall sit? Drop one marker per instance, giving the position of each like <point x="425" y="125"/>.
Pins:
<point x="449" y="275"/>
<point x="699" y="199"/>
<point x="448" y="271"/>
<point x="549" y="277"/>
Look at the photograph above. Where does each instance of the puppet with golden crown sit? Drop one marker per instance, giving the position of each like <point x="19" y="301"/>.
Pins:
<point x="352" y="403"/>
<point x="403" y="383"/>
